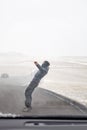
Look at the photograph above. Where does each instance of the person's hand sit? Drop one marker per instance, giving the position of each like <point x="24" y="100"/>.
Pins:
<point x="35" y="62"/>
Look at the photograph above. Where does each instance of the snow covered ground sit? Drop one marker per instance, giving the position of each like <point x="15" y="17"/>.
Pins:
<point x="68" y="77"/>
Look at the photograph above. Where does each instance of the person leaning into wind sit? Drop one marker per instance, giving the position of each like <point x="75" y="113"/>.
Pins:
<point x="43" y="70"/>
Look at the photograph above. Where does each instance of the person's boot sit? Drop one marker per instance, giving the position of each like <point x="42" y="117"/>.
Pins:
<point x="27" y="109"/>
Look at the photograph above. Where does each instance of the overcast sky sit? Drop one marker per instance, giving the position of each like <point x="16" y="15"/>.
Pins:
<point x="44" y="28"/>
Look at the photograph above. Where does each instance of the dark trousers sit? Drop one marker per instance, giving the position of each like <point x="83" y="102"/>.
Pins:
<point x="28" y="92"/>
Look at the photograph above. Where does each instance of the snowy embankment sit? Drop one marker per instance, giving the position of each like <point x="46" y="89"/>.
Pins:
<point x="68" y="78"/>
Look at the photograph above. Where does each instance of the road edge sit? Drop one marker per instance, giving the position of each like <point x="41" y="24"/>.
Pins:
<point x="72" y="102"/>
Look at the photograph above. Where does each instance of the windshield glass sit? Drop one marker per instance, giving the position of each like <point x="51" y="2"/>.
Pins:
<point x="43" y="57"/>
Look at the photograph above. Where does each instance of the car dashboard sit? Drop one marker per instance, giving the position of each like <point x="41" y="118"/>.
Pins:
<point x="36" y="123"/>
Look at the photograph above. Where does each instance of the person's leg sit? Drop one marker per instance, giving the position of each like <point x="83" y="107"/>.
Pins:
<point x="28" y="97"/>
<point x="28" y="101"/>
<point x="28" y="93"/>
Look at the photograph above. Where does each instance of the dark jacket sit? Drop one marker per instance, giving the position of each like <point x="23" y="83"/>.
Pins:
<point x="40" y="73"/>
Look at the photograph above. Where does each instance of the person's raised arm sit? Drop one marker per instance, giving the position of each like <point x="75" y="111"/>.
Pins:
<point x="38" y="66"/>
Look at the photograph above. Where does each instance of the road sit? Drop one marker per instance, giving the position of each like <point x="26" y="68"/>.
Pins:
<point x="44" y="102"/>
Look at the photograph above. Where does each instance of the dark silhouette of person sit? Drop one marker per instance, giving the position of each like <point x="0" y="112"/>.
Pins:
<point x="43" y="70"/>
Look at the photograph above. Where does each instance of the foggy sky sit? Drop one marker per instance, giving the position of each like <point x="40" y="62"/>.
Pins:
<point x="44" y="28"/>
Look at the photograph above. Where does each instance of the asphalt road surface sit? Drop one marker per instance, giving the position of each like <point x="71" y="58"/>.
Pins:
<point x="44" y="102"/>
